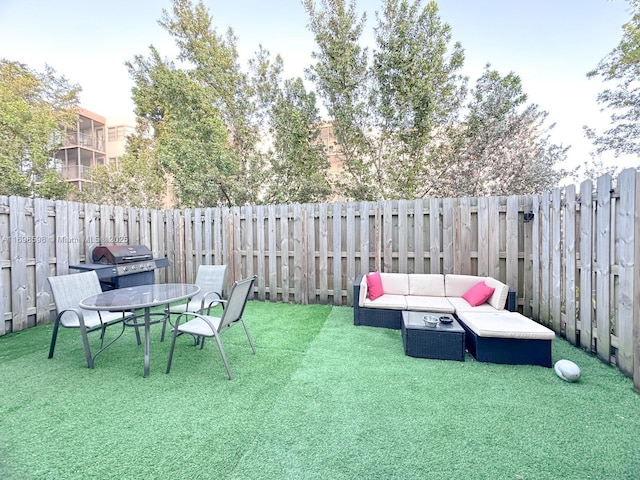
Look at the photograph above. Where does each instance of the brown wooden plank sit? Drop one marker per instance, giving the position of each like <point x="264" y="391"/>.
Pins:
<point x="556" y="259"/>
<point x="586" y="264"/>
<point x="43" y="233"/>
<point x="18" y="259"/>
<point x="571" y="267"/>
<point x="284" y="252"/>
<point x="602" y="267"/>
<point x="625" y="246"/>
<point x="272" y="238"/>
<point x="323" y="252"/>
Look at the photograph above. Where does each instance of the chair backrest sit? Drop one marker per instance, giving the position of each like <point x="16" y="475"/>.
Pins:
<point x="237" y="301"/>
<point x="211" y="278"/>
<point x="69" y="290"/>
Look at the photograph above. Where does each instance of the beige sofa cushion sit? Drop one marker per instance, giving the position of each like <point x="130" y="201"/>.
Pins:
<point x="500" y="294"/>
<point x="429" y="304"/>
<point x="387" y="301"/>
<point x="461" y="305"/>
<point x="430" y="285"/>
<point x="458" y="285"/>
<point x="395" y="283"/>
<point x="505" y="324"/>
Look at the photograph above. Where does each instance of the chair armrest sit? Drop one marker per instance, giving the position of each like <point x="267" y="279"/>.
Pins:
<point x="214" y="298"/>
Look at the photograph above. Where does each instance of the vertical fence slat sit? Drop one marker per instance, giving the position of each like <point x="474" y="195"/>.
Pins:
<point x="448" y="213"/>
<point x="483" y="236"/>
<point x="627" y="271"/>
<point x="586" y="265"/>
<point x="19" y="284"/>
<point x="512" y="221"/>
<point x="387" y="238"/>
<point x="603" y="239"/>
<point x="494" y="237"/>
<point x="197" y="238"/>
<point x="208" y="237"/>
<point x="365" y="246"/>
<point x="337" y="253"/>
<point x="418" y="236"/>
<point x="436" y="233"/>
<point x="42" y="233"/>
<point x="556" y="245"/>
<point x="284" y="249"/>
<point x="323" y="252"/>
<point x="273" y="253"/>
<point x="351" y="251"/>
<point x="403" y="224"/>
<point x="535" y="258"/>
<point x="260" y="251"/>
<point x="545" y="253"/>
<point x="570" y="263"/>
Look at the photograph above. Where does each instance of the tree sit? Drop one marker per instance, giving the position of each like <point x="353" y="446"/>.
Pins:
<point x="209" y="118"/>
<point x="417" y="95"/>
<point x="298" y="167"/>
<point x="621" y="67"/>
<point x="35" y="110"/>
<point x="342" y="78"/>
<point x="401" y="122"/>
<point x="502" y="146"/>
<point x="137" y="180"/>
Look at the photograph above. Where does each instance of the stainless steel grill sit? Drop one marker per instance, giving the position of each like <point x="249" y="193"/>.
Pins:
<point x="120" y="266"/>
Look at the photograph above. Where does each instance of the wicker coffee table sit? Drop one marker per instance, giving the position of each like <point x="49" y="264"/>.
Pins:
<point x="443" y="342"/>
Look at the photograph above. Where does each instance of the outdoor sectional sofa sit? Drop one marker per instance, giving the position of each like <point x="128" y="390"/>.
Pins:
<point x="423" y="293"/>
<point x="494" y="331"/>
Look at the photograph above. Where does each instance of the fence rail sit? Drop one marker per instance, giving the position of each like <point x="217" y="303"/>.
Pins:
<point x="570" y="254"/>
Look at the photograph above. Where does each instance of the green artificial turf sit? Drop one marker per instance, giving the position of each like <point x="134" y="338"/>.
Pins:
<point x="321" y="399"/>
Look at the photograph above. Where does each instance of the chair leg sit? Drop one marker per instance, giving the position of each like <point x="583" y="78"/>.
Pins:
<point x="85" y="343"/>
<point x="54" y="336"/>
<point x="224" y="357"/>
<point x="246" y="330"/>
<point x="173" y="344"/>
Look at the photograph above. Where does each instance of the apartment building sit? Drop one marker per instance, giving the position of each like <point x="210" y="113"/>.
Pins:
<point x="96" y="140"/>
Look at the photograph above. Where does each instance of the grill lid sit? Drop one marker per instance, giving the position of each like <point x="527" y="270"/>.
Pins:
<point x="117" y="254"/>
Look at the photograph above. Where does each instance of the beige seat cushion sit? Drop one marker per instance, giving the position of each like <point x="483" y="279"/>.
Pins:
<point x="388" y="301"/>
<point x="429" y="304"/>
<point x="505" y="324"/>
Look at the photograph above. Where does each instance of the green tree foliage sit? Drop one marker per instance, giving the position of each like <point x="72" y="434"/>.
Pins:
<point x="400" y="116"/>
<point x="342" y="78"/>
<point x="502" y="145"/>
<point x="210" y="118"/>
<point x="417" y="95"/>
<point x="137" y="180"/>
<point x="621" y="67"/>
<point x="298" y="166"/>
<point x="35" y="109"/>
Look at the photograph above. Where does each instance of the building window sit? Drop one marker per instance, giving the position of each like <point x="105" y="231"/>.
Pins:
<point x="117" y="133"/>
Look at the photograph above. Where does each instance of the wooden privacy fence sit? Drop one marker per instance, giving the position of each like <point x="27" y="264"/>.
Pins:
<point x="570" y="254"/>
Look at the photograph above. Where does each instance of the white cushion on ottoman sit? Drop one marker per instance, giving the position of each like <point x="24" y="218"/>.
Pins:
<point x="505" y="324"/>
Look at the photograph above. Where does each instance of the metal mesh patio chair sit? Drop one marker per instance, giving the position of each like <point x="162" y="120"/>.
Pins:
<point x="68" y="291"/>
<point x="211" y="279"/>
<point x="207" y="326"/>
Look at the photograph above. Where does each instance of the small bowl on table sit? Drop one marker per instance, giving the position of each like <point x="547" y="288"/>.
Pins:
<point x="430" y="320"/>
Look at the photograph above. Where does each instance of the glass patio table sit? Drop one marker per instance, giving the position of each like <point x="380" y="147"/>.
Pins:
<point x="140" y="297"/>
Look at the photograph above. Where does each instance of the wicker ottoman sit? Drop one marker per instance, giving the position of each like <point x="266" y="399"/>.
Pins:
<point x="507" y="337"/>
<point x="443" y="342"/>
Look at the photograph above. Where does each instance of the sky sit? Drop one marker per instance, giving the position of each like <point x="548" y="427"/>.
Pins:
<point x="550" y="44"/>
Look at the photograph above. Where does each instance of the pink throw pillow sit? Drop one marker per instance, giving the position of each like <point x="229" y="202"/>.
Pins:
<point x="478" y="294"/>
<point x="374" y="285"/>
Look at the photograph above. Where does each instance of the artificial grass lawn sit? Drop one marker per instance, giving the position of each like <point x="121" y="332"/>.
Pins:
<point x="321" y="399"/>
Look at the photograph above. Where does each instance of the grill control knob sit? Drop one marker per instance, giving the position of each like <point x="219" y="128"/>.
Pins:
<point x="149" y="265"/>
<point x="126" y="269"/>
<point x="133" y="267"/>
